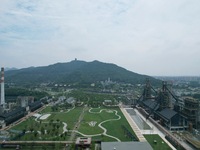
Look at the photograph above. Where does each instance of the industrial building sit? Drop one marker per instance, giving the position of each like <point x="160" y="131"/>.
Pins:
<point x="12" y="116"/>
<point x="191" y="111"/>
<point x="126" y="146"/>
<point x="170" y="119"/>
<point x="16" y="111"/>
<point x="35" y="105"/>
<point x="23" y="101"/>
<point x="171" y="112"/>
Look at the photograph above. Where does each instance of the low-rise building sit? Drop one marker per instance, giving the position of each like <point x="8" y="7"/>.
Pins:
<point x="126" y="146"/>
<point x="12" y="116"/>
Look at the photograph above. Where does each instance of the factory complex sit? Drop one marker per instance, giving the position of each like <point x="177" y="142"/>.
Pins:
<point x="24" y="105"/>
<point x="172" y="112"/>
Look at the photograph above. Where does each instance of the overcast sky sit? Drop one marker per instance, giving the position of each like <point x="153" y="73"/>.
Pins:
<point x="153" y="37"/>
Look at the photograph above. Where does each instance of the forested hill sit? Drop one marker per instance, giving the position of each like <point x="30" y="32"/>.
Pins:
<point x="75" y="72"/>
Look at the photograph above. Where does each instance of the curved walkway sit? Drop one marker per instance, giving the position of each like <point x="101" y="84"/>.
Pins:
<point x="90" y="111"/>
<point x="100" y="125"/>
<point x="105" y="130"/>
<point x="64" y="127"/>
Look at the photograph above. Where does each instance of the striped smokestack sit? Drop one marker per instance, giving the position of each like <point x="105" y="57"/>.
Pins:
<point x="2" y="88"/>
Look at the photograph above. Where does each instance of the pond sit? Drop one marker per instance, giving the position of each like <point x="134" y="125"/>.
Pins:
<point x="142" y="125"/>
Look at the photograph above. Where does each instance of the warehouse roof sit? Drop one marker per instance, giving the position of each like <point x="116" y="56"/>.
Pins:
<point x="167" y="113"/>
<point x="151" y="104"/>
<point x="126" y="146"/>
<point x="13" y="112"/>
<point x="35" y="103"/>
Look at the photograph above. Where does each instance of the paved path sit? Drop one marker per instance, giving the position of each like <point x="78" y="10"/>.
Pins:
<point x="77" y="125"/>
<point x="100" y="125"/>
<point x="105" y="130"/>
<point x="154" y="130"/>
<point x="65" y="127"/>
<point x="90" y="111"/>
<point x="33" y="142"/>
<point x="133" y="125"/>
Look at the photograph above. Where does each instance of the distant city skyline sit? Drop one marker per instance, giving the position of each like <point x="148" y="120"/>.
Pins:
<point x="157" y="38"/>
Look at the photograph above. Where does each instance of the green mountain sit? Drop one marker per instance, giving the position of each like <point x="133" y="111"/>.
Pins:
<point x="75" y="72"/>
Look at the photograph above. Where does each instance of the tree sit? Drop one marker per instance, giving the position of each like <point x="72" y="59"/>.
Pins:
<point x="24" y="130"/>
<point x="50" y="122"/>
<point x="35" y="133"/>
<point x="42" y="130"/>
<point x="31" y="128"/>
<point x="65" y="134"/>
<point x="48" y="131"/>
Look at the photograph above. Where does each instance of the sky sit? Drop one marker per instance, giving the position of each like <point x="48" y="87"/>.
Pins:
<point x="152" y="37"/>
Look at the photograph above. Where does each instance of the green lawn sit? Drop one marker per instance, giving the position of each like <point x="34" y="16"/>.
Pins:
<point x="160" y="145"/>
<point x="46" y="110"/>
<point x="88" y="117"/>
<point x="53" y="125"/>
<point x="70" y="118"/>
<point x="113" y="127"/>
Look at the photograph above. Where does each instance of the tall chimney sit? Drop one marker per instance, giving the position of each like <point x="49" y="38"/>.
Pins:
<point x="2" y="88"/>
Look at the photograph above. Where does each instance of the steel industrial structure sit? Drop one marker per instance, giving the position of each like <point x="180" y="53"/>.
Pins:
<point x="164" y="106"/>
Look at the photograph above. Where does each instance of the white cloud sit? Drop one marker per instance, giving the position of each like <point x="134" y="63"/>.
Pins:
<point x="147" y="37"/>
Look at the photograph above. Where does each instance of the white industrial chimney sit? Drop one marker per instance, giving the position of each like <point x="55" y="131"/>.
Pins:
<point x="2" y="103"/>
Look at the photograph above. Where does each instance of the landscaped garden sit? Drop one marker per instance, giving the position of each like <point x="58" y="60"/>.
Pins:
<point x="111" y="119"/>
<point x="99" y="123"/>
<point x="52" y="128"/>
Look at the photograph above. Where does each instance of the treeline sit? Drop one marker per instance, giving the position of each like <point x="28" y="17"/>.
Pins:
<point x="14" y="92"/>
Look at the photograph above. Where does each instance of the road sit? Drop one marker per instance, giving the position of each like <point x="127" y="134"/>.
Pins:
<point x="77" y="125"/>
<point x="35" y="142"/>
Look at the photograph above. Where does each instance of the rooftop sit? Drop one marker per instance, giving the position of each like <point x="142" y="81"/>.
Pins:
<point x="83" y="141"/>
<point x="125" y="146"/>
<point x="167" y="113"/>
<point x="151" y="104"/>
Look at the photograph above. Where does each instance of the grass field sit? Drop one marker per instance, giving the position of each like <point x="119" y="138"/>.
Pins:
<point x="159" y="145"/>
<point x="113" y="127"/>
<point x="52" y="127"/>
